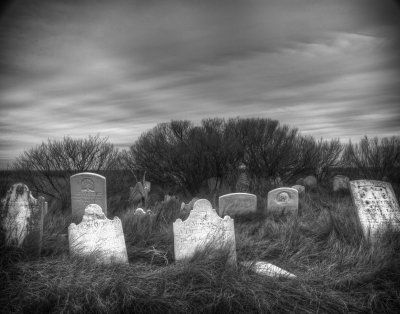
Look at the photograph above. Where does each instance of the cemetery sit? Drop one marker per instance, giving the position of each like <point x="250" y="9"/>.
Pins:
<point x="272" y="245"/>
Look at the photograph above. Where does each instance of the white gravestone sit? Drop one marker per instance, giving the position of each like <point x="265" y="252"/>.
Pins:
<point x="283" y="200"/>
<point x="23" y="218"/>
<point x="203" y="229"/>
<point x="87" y="188"/>
<point x="376" y="206"/>
<point x="267" y="269"/>
<point x="234" y="204"/>
<point x="98" y="236"/>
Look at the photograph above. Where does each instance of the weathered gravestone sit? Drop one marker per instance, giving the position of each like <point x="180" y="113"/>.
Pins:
<point x="300" y="189"/>
<point x="139" y="211"/>
<point x="234" y="204"/>
<point x="340" y="183"/>
<point x="87" y="188"/>
<point x="267" y="269"/>
<point x="22" y="218"/>
<point x="376" y="206"/>
<point x="203" y="229"/>
<point x="98" y="237"/>
<point x="283" y="200"/>
<point x="310" y="182"/>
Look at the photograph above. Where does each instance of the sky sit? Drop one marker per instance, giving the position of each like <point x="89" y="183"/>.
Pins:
<point x="330" y="68"/>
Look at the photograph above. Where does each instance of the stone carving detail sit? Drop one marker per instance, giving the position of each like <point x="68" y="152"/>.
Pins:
<point x="234" y="204"/>
<point x="283" y="200"/>
<point x="203" y="229"/>
<point x="22" y="218"/>
<point x="98" y="237"/>
<point x="376" y="207"/>
<point x="87" y="188"/>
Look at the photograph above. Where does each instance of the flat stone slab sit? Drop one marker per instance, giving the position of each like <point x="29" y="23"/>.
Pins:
<point x="98" y="236"/>
<point x="267" y="269"/>
<point x="23" y="218"/>
<point x="87" y="188"/>
<point x="203" y="229"/>
<point x="376" y="207"/>
<point x="283" y="200"/>
<point x="235" y="204"/>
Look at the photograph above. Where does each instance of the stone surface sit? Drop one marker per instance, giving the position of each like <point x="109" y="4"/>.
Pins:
<point x="87" y="188"/>
<point x="310" y="182"/>
<point x="203" y="229"/>
<point x="98" y="237"/>
<point x="22" y="218"/>
<point x="300" y="189"/>
<point x="267" y="269"/>
<point x="139" y="211"/>
<point x="234" y="204"/>
<point x="376" y="207"/>
<point x="283" y="200"/>
<point x="340" y="183"/>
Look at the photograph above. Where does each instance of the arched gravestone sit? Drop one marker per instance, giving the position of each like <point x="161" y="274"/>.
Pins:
<point x="283" y="200"/>
<point x="235" y="204"/>
<point x="203" y="229"/>
<point x="98" y="236"/>
<point x="22" y="218"/>
<point x="87" y="188"/>
<point x="376" y="207"/>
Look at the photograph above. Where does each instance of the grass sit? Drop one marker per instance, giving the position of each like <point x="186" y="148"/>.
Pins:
<point x="337" y="270"/>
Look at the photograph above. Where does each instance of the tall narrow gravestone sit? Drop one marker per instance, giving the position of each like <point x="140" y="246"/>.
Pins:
<point x="203" y="229"/>
<point x="234" y="204"/>
<point x="283" y="200"/>
<point x="87" y="188"/>
<point x="22" y="218"/>
<point x="376" y="207"/>
<point x="98" y="236"/>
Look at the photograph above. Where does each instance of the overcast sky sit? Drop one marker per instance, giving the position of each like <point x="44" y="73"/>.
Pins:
<point x="331" y="68"/>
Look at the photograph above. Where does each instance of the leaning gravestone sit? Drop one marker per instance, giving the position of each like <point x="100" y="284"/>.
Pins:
<point x="87" y="188"/>
<point x="283" y="200"/>
<point x="376" y="205"/>
<point x="203" y="229"/>
<point x="234" y="204"/>
<point x="98" y="236"/>
<point x="22" y="218"/>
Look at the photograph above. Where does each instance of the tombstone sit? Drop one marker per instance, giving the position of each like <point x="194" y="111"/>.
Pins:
<point x="139" y="211"/>
<point x="23" y="218"/>
<point x="300" y="189"/>
<point x="310" y="182"/>
<point x="376" y="206"/>
<point x="234" y="204"/>
<point x="340" y="183"/>
<point x="283" y="200"/>
<point x="98" y="236"/>
<point x="203" y="229"/>
<point x="87" y="188"/>
<point x="267" y="269"/>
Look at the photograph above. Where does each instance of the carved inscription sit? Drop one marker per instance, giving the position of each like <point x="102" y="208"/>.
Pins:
<point x="203" y="229"/>
<point x="283" y="200"/>
<point x="237" y="204"/>
<point x="376" y="205"/>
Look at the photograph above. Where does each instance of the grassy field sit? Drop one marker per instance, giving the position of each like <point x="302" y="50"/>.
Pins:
<point x="337" y="270"/>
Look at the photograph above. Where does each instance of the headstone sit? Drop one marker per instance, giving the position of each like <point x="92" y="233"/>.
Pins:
<point x="23" y="218"/>
<point x="376" y="206"/>
<point x="310" y="182"/>
<point x="87" y="188"/>
<point x="340" y="183"/>
<point x="300" y="189"/>
<point x="267" y="269"/>
<point x="283" y="200"/>
<point x="139" y="211"/>
<point x="234" y="204"/>
<point x="98" y="236"/>
<point x="203" y="229"/>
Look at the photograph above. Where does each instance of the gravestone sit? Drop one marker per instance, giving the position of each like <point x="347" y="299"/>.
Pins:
<point x="22" y="218"/>
<point x="139" y="211"/>
<point x="310" y="182"/>
<point x="267" y="269"/>
<point x="283" y="200"/>
<point x="300" y="189"/>
<point x="340" y="183"/>
<point x="87" y="188"/>
<point x="376" y="207"/>
<point x="98" y="237"/>
<point x="234" y="204"/>
<point x="203" y="229"/>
